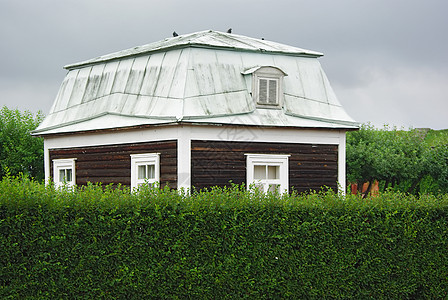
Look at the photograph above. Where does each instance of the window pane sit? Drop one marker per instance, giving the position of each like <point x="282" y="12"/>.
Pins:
<point x="273" y="172"/>
<point x="263" y="91"/>
<point x="272" y="92"/>
<point x="68" y="173"/>
<point x="151" y="171"/>
<point x="61" y="175"/>
<point x="141" y="172"/>
<point x="259" y="172"/>
<point x="65" y="175"/>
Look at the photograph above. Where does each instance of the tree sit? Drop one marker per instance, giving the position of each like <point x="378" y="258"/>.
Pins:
<point x="435" y="168"/>
<point x="399" y="161"/>
<point x="19" y="151"/>
<point x="389" y="155"/>
<point x="361" y="155"/>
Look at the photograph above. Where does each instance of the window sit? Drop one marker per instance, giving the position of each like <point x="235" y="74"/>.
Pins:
<point x="267" y="88"/>
<point x="268" y="172"/>
<point x="268" y="91"/>
<point x="64" y="171"/>
<point x="145" y="168"/>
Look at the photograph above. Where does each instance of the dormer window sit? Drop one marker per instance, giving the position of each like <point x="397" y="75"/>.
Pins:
<point x="267" y="90"/>
<point x="268" y="93"/>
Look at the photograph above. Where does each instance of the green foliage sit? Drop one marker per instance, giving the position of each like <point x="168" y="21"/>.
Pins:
<point x="435" y="164"/>
<point x="361" y="148"/>
<point x="401" y="159"/>
<point x="104" y="242"/>
<point x="436" y="137"/>
<point x="19" y="151"/>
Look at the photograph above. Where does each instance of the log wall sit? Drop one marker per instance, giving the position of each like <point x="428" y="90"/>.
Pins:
<point x="112" y="163"/>
<point x="310" y="166"/>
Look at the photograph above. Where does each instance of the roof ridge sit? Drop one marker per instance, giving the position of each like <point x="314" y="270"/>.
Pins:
<point x="199" y="39"/>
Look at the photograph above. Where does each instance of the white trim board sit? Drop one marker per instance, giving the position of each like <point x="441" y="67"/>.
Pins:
<point x="215" y="133"/>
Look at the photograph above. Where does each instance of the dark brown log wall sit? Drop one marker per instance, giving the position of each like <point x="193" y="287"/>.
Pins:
<point x="311" y="166"/>
<point x="112" y="163"/>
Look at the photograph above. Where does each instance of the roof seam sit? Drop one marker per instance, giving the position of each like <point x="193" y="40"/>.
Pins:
<point x="326" y="103"/>
<point x="185" y="84"/>
<point x="152" y="96"/>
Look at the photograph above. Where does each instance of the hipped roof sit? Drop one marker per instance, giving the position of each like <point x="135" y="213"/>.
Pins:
<point x="199" y="78"/>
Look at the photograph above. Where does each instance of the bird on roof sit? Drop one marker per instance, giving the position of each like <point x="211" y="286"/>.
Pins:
<point x="175" y="33"/>
<point x="229" y="30"/>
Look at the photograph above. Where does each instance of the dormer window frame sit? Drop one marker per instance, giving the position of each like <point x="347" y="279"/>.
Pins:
<point x="267" y="75"/>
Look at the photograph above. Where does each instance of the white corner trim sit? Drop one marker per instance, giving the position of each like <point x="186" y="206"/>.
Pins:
<point x="184" y="158"/>
<point x="47" y="163"/>
<point x="342" y="162"/>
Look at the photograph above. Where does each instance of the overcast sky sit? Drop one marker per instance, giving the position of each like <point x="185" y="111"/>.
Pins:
<point x="387" y="60"/>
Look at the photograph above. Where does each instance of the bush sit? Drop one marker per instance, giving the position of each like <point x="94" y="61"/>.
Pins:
<point x="222" y="243"/>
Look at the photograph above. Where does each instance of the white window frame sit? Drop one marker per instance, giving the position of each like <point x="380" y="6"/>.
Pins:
<point x="280" y="160"/>
<point x="270" y="74"/>
<point x="64" y="164"/>
<point x="143" y="160"/>
<point x="268" y="90"/>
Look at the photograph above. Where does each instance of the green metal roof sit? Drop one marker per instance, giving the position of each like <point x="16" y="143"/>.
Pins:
<point x="201" y="77"/>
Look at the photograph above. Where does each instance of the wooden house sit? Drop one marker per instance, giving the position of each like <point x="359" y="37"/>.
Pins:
<point x="198" y="110"/>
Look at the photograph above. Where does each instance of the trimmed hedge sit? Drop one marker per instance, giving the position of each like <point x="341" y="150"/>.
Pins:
<point x="100" y="242"/>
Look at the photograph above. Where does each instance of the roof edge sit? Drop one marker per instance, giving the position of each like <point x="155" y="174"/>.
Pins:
<point x="41" y="131"/>
<point x="350" y="124"/>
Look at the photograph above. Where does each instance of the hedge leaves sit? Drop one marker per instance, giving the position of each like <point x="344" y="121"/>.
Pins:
<point x="99" y="242"/>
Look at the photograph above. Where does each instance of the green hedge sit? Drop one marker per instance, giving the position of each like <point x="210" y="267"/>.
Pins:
<point x="100" y="242"/>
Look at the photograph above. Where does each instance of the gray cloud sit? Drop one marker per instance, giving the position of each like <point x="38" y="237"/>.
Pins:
<point x="385" y="59"/>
